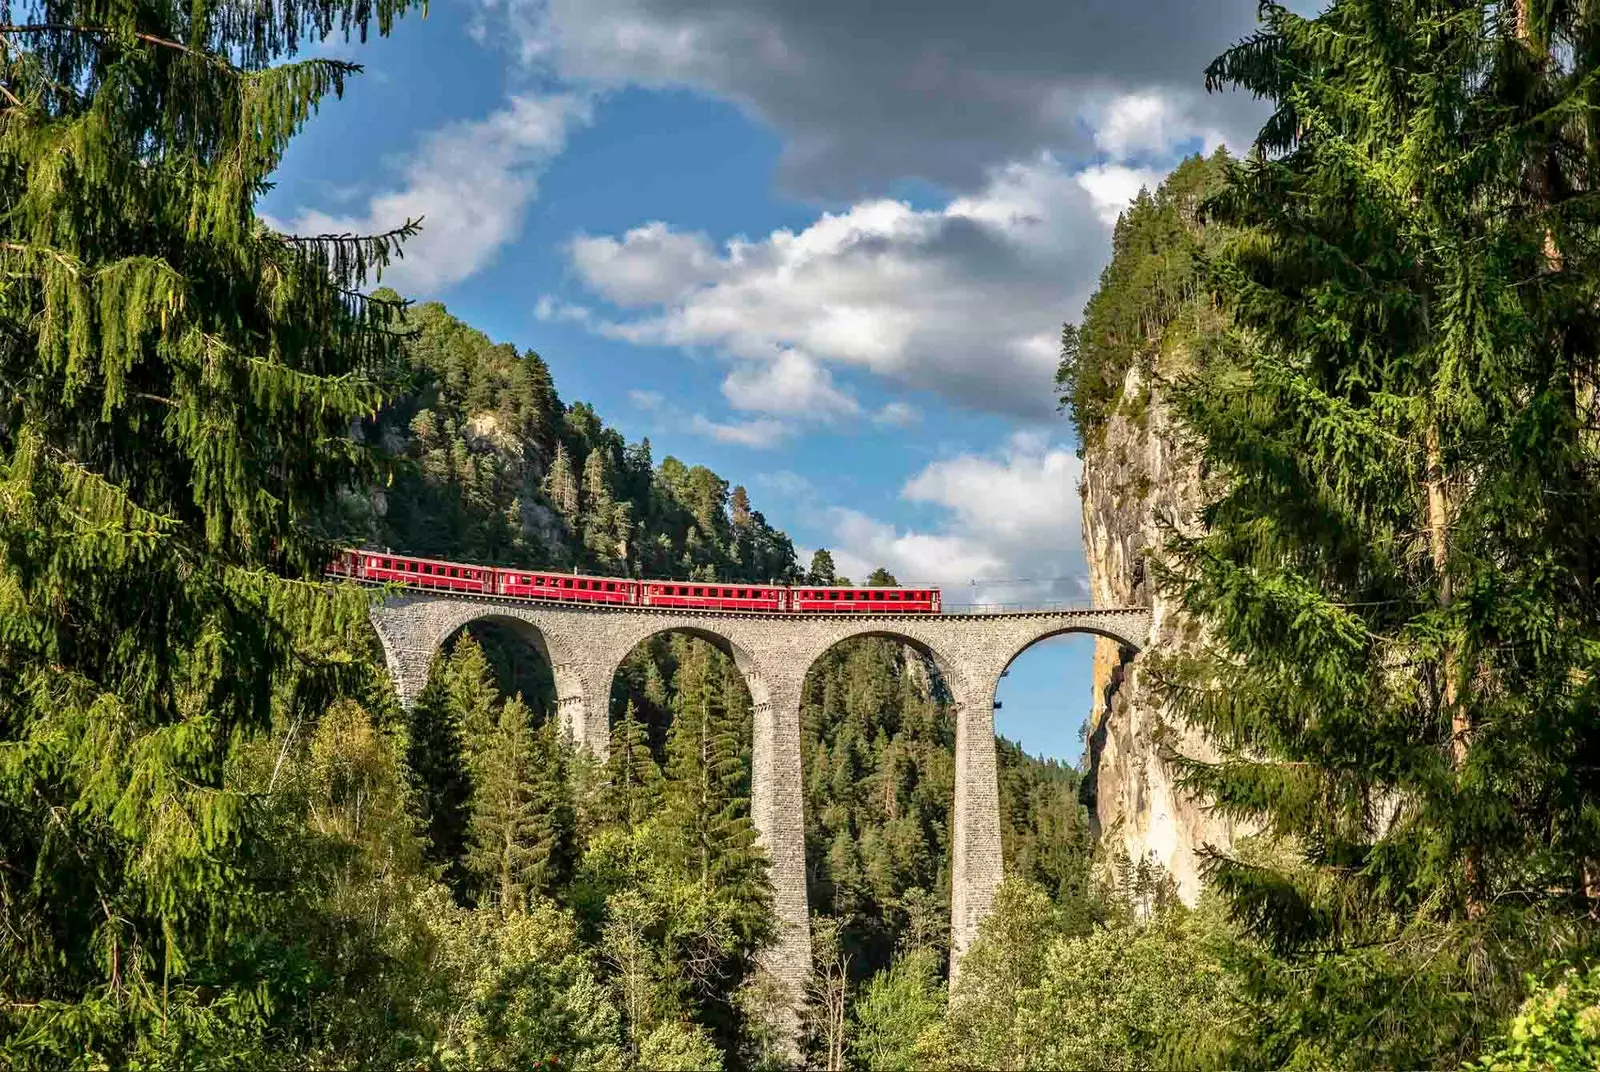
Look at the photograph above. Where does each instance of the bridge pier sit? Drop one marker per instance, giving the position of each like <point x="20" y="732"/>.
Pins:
<point x="977" y="865"/>
<point x="777" y="810"/>
<point x="583" y="703"/>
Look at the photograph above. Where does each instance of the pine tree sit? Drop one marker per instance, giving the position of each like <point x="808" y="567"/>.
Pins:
<point x="561" y="486"/>
<point x="1398" y="561"/>
<point x="176" y="387"/>
<point x="821" y="571"/>
<point x="522" y="816"/>
<point x="631" y="772"/>
<point x="441" y="785"/>
<point x="704" y="772"/>
<point x="599" y="508"/>
<point x="472" y="694"/>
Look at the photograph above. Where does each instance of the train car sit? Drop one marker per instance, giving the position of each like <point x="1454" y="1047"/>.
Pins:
<point x="348" y="564"/>
<point x="703" y="596"/>
<point x="565" y="587"/>
<point x="383" y="567"/>
<point x="808" y="599"/>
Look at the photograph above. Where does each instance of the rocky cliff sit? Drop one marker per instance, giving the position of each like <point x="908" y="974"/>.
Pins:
<point x="1136" y="472"/>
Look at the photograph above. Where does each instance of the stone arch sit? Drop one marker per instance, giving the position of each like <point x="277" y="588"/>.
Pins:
<point x="951" y="672"/>
<point x="412" y="629"/>
<point x="744" y="660"/>
<point x="1104" y="632"/>
<point x="570" y="690"/>
<point x="775" y="801"/>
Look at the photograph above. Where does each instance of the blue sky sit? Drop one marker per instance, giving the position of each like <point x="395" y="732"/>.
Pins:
<point x="825" y="249"/>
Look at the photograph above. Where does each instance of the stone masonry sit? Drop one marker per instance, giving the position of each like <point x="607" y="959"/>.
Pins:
<point x="585" y="644"/>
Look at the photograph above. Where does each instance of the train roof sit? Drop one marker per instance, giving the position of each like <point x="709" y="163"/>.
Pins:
<point x="864" y="588"/>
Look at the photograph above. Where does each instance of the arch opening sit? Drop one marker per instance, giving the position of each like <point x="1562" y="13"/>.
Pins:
<point x="679" y="780"/>
<point x="878" y="737"/>
<point x="518" y="659"/>
<point x="668" y="669"/>
<point x="490" y="690"/>
<point x="1046" y="708"/>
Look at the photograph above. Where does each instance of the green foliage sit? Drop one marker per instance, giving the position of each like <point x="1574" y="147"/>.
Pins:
<point x="632" y="772"/>
<point x="1044" y="830"/>
<point x="176" y="387"/>
<point x="679" y="1047"/>
<point x="1557" y="1029"/>
<point x="877" y="752"/>
<point x="1036" y="992"/>
<point x="458" y="687"/>
<point x="822" y="570"/>
<point x="707" y="785"/>
<point x="1396" y="562"/>
<point x="522" y="824"/>
<point x="516" y="990"/>
<point x="895" y="1009"/>
<point x="1151" y="295"/>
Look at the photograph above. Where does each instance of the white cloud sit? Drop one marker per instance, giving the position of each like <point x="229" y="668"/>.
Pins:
<point x="470" y="183"/>
<point x="1010" y="521"/>
<point x="650" y="401"/>
<point x="1147" y="123"/>
<point x="897" y="415"/>
<point x="792" y="384"/>
<point x="966" y="300"/>
<point x="552" y="309"/>
<point x="759" y="434"/>
<point x="1112" y="186"/>
<point x="649" y="264"/>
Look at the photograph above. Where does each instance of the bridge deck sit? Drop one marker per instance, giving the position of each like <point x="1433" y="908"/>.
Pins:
<point x="952" y="610"/>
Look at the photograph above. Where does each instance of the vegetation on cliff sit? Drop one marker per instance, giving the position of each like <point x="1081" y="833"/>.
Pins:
<point x="1397" y="562"/>
<point x="1151" y="297"/>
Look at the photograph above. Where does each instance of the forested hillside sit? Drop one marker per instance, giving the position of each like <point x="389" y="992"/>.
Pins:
<point x="496" y="468"/>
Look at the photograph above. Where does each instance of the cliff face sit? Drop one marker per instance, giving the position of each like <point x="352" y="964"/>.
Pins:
<point x="1134" y="474"/>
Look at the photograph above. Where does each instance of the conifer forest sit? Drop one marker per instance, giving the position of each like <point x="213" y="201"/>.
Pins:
<point x="225" y="843"/>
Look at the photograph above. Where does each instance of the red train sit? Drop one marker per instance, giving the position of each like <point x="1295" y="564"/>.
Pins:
<point x="382" y="567"/>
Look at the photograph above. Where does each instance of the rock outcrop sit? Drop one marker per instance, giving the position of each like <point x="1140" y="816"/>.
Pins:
<point x="1135" y="473"/>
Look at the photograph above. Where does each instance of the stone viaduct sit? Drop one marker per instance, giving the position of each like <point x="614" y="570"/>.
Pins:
<point x="585" y="644"/>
